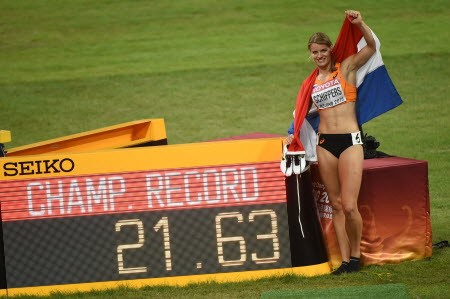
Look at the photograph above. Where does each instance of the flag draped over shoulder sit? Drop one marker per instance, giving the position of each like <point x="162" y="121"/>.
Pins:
<point x="376" y="92"/>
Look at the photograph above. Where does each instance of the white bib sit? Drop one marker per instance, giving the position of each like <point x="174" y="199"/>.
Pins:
<point x="328" y="94"/>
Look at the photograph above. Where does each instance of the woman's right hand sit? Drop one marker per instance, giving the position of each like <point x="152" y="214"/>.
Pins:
<point x="289" y="139"/>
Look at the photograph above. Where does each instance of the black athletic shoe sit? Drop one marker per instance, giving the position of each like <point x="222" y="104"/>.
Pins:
<point x="353" y="265"/>
<point x="343" y="268"/>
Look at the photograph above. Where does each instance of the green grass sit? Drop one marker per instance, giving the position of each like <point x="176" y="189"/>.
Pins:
<point x="215" y="69"/>
<point x="355" y="292"/>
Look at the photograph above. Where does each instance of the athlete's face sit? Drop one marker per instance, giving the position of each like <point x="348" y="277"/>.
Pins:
<point x="321" y="55"/>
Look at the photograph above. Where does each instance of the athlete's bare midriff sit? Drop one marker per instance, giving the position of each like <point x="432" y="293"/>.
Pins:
<point x="339" y="119"/>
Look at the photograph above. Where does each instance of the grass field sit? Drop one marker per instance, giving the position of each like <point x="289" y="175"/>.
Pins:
<point x="215" y="69"/>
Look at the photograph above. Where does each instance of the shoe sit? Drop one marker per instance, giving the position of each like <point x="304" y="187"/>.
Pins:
<point x="283" y="160"/>
<point x="296" y="161"/>
<point x="353" y="265"/>
<point x="343" y="268"/>
<point x="289" y="165"/>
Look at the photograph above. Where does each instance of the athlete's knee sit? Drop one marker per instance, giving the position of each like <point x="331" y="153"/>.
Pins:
<point x="350" y="210"/>
<point x="336" y="204"/>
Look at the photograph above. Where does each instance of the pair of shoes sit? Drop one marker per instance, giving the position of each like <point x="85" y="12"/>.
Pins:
<point x="343" y="268"/>
<point x="292" y="162"/>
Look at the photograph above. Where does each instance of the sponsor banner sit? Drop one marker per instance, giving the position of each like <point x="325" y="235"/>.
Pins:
<point x="140" y="159"/>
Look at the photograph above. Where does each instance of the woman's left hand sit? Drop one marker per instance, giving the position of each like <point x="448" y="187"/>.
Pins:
<point x="354" y="16"/>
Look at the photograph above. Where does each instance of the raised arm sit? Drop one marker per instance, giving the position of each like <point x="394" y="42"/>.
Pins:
<point x="354" y="62"/>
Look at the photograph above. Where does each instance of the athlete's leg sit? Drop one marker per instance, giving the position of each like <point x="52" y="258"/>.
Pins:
<point x="350" y="174"/>
<point x="328" y="167"/>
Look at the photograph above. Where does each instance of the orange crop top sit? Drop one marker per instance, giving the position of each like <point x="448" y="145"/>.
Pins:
<point x="334" y="91"/>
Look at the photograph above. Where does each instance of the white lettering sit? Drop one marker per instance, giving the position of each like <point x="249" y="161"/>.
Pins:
<point x="58" y="197"/>
<point x="210" y="187"/>
<point x="31" y="209"/>
<point x="253" y="178"/>
<point x="172" y="188"/>
<point x="230" y="187"/>
<point x="216" y="184"/>
<point x="113" y="193"/>
<point x="195" y="187"/>
<point x="151" y="191"/>
<point x="175" y="189"/>
<point x="96" y="196"/>
<point x="75" y="198"/>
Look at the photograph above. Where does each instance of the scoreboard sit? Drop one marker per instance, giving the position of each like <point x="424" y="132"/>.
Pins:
<point x="156" y="215"/>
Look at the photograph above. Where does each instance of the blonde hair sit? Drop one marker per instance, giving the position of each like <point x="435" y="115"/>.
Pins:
<point x="322" y="39"/>
<point x="319" y="38"/>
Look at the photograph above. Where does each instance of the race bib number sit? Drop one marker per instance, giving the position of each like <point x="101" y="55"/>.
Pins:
<point x="328" y="94"/>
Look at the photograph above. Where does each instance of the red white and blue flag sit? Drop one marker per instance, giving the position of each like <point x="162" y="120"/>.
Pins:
<point x="376" y="92"/>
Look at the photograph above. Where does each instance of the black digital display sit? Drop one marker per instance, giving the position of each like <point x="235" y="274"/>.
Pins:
<point x="146" y="245"/>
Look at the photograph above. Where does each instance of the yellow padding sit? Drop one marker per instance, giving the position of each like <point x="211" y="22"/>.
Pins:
<point x="312" y="270"/>
<point x="5" y="136"/>
<point x="123" y="135"/>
